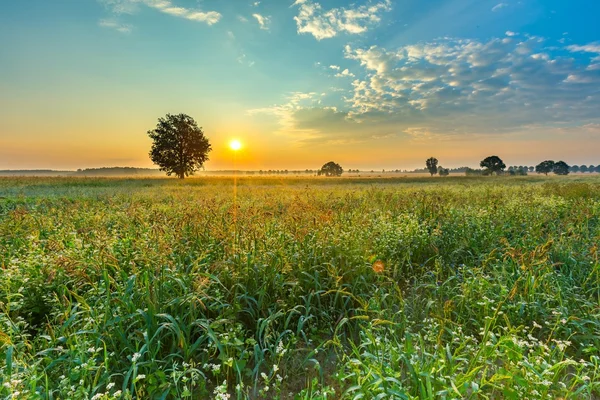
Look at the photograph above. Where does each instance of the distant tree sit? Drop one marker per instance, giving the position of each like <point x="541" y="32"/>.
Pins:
<point x="597" y="169"/>
<point x="561" y="168"/>
<point x="431" y="164"/>
<point x="591" y="168"/>
<point x="331" y="169"/>
<point x="179" y="147"/>
<point x="492" y="164"/>
<point x="522" y="171"/>
<point x="545" y="167"/>
<point x="583" y="168"/>
<point x="443" y="171"/>
<point x="531" y="169"/>
<point x="574" y="168"/>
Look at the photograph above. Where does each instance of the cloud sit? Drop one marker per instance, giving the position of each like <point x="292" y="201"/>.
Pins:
<point x="263" y="21"/>
<point x="335" y="67"/>
<point x="164" y="6"/>
<point x="448" y="87"/>
<point x="587" y="48"/>
<point x="344" y="74"/>
<point x="113" y="24"/>
<point x="323" y="24"/>
<point x="499" y="6"/>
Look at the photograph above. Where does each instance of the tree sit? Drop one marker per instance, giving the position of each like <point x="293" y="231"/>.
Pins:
<point x="443" y="171"/>
<point x="545" y="167"/>
<point x="331" y="169"/>
<point x="493" y="164"/>
<point x="574" y="168"/>
<point x="179" y="147"/>
<point x="583" y="168"/>
<point x="561" y="168"/>
<point x="431" y="164"/>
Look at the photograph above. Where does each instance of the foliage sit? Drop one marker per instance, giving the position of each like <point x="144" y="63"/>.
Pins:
<point x="443" y="171"/>
<point x="331" y="169"/>
<point x="179" y="146"/>
<point x="545" y="167"/>
<point x="431" y="164"/>
<point x="492" y="164"/>
<point x="561" y="168"/>
<point x="316" y="289"/>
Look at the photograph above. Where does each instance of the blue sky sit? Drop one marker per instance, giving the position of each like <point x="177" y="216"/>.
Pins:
<point x="371" y="84"/>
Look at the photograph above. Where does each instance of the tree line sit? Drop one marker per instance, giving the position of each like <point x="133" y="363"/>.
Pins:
<point x="180" y="147"/>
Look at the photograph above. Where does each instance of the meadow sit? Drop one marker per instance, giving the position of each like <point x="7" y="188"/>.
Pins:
<point x="300" y="288"/>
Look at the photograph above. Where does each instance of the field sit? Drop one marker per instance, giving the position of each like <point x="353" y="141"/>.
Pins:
<point x="300" y="288"/>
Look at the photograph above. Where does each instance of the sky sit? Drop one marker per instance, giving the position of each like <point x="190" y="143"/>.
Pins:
<point x="368" y="84"/>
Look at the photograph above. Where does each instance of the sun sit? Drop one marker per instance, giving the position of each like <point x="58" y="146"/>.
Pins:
<point x="235" y="145"/>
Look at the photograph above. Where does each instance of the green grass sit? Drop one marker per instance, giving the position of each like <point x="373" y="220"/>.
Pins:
<point x="156" y="288"/>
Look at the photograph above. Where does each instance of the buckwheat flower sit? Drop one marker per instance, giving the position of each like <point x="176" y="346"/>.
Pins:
<point x="110" y="386"/>
<point x="536" y="325"/>
<point x="117" y="393"/>
<point x="264" y="376"/>
<point x="585" y="378"/>
<point x="140" y="377"/>
<point x="135" y="357"/>
<point x="275" y="367"/>
<point x="97" y="396"/>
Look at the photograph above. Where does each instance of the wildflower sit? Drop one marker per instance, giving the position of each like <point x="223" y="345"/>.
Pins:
<point x="117" y="393"/>
<point x="275" y="367"/>
<point x="97" y="396"/>
<point x="140" y="377"/>
<point x="378" y="266"/>
<point x="264" y="376"/>
<point x="110" y="386"/>
<point x="135" y="357"/>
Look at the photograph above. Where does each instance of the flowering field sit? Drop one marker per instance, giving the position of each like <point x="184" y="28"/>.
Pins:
<point x="300" y="288"/>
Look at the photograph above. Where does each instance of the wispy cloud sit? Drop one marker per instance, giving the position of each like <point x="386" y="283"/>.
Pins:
<point x="163" y="6"/>
<point x="499" y="6"/>
<point x="263" y="21"/>
<point x="113" y="24"/>
<point x="335" y="67"/>
<point x="323" y="24"/>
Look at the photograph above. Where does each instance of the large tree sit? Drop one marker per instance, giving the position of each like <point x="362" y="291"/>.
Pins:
<point x="545" y="167"/>
<point x="431" y="164"/>
<point x="331" y="169"/>
<point x="179" y="146"/>
<point x="493" y="164"/>
<point x="561" y="168"/>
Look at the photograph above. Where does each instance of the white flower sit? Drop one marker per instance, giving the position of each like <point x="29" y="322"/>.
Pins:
<point x="117" y="393"/>
<point x="135" y="357"/>
<point x="110" y="386"/>
<point x="275" y="367"/>
<point x="264" y="376"/>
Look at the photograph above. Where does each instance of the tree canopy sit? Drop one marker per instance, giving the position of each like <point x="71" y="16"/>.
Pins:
<point x="179" y="146"/>
<point x="545" y="167"/>
<point x="431" y="164"/>
<point x="493" y="164"/>
<point x="561" y="168"/>
<point x="331" y="169"/>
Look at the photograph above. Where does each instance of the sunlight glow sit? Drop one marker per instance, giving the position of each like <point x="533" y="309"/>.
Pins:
<point x="235" y="145"/>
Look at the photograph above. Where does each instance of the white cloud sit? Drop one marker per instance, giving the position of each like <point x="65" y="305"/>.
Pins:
<point x="588" y="48"/>
<point x="323" y="24"/>
<point x="336" y="67"/>
<point x="164" y="6"/>
<point x="344" y="74"/>
<point x="262" y="21"/>
<point x="510" y="33"/>
<point x="112" y="24"/>
<point x="499" y="6"/>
